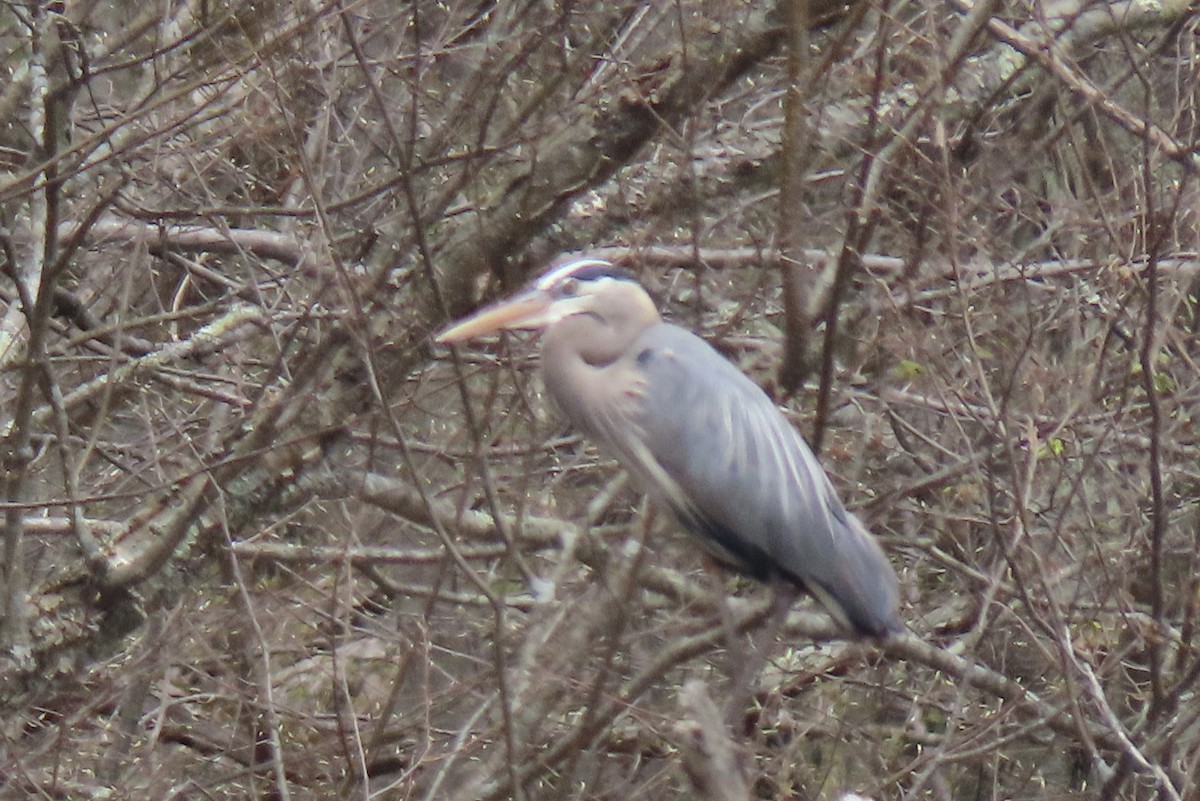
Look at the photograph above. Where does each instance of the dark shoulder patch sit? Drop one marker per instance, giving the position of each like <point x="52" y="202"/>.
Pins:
<point x="727" y="546"/>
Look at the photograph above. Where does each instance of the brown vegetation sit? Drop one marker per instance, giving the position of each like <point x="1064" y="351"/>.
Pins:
<point x="262" y="540"/>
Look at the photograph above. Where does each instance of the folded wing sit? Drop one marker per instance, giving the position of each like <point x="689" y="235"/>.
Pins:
<point x="712" y="446"/>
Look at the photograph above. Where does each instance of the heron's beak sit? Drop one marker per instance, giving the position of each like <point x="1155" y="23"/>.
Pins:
<point x="526" y="310"/>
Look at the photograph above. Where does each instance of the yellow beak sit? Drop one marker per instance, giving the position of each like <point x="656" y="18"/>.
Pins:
<point x="526" y="310"/>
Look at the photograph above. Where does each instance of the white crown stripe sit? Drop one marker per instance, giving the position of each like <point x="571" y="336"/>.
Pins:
<point x="554" y="276"/>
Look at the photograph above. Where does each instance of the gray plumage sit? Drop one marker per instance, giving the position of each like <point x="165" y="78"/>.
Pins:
<point x="700" y="437"/>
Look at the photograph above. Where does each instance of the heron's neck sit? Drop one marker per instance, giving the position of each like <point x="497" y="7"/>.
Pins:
<point x="581" y="360"/>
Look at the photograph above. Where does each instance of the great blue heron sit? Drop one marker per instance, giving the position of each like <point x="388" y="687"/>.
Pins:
<point x="698" y="436"/>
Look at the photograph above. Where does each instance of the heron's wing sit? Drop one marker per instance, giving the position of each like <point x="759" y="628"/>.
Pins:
<point x="714" y="447"/>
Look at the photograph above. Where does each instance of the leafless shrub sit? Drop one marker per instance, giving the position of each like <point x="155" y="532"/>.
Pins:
<point x="261" y="540"/>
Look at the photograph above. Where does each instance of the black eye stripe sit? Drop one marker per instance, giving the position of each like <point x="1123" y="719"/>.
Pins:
<point x="584" y="269"/>
<point x="594" y="272"/>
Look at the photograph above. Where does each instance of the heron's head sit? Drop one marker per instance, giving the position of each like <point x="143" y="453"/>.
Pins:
<point x="581" y="287"/>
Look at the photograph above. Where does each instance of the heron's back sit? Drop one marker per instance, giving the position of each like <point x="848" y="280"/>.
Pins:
<point x="738" y="475"/>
